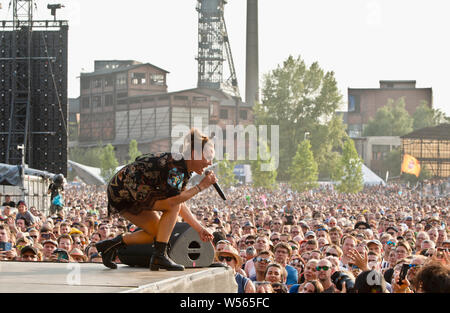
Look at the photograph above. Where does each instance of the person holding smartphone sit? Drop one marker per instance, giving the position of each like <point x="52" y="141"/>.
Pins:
<point x="7" y="251"/>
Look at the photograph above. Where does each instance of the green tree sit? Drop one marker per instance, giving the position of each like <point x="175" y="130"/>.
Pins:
<point x="264" y="172"/>
<point x="297" y="98"/>
<point x="350" y="171"/>
<point x="304" y="169"/>
<point x="393" y="163"/>
<point x="133" y="151"/>
<point x="390" y="120"/>
<point x="327" y="141"/>
<point x="226" y="172"/>
<point x="109" y="162"/>
<point x="427" y="117"/>
<point x="86" y="156"/>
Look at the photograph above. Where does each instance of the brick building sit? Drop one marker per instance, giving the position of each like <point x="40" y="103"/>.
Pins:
<point x="364" y="103"/>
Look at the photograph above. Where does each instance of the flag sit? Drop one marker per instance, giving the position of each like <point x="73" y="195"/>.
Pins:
<point x="410" y="165"/>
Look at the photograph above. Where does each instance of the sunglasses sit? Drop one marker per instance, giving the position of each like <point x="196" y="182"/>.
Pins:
<point x="275" y="239"/>
<point x="259" y="259"/>
<point x="250" y="242"/>
<point x="414" y="265"/>
<point x="331" y="254"/>
<point x="227" y="258"/>
<point x="320" y="229"/>
<point x="322" y="268"/>
<point x="353" y="266"/>
<point x="390" y="243"/>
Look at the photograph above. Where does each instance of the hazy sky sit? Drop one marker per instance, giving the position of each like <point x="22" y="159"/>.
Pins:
<point x="362" y="41"/>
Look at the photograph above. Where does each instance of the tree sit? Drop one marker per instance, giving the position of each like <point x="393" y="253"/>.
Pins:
<point x="350" y="171"/>
<point x="226" y="174"/>
<point x="297" y="98"/>
<point x="327" y="142"/>
<point x="393" y="162"/>
<point x="133" y="151"/>
<point x="427" y="117"/>
<point x="264" y="173"/>
<point x="109" y="162"/>
<point x="390" y="120"/>
<point x="304" y="169"/>
<point x="86" y="156"/>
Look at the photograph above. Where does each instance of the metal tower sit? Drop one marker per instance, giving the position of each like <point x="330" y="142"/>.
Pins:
<point x="212" y="39"/>
<point x="19" y="121"/>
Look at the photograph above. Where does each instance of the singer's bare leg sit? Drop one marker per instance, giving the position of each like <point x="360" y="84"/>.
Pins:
<point x="148" y="221"/>
<point x="152" y="225"/>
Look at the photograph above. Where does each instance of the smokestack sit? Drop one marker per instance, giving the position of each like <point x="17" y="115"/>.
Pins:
<point x="252" y="54"/>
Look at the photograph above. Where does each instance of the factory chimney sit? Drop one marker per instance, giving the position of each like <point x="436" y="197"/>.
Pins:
<point x="252" y="54"/>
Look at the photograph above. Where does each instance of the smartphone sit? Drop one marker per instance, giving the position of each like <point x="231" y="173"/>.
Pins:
<point x="5" y="246"/>
<point x="403" y="273"/>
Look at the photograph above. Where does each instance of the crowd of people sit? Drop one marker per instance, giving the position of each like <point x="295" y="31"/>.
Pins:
<point x="388" y="239"/>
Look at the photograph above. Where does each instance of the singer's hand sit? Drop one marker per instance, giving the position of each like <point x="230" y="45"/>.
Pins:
<point x="205" y="235"/>
<point x="209" y="180"/>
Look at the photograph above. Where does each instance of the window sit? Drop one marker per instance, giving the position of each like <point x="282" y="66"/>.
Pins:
<point x="354" y="103"/>
<point x="157" y="79"/>
<point x="108" y="100"/>
<point x="109" y="80"/>
<point x="380" y="152"/>
<point x="122" y="95"/>
<point x="138" y="79"/>
<point x="85" y="83"/>
<point x="85" y="103"/>
<point x="223" y="113"/>
<point x="121" y="80"/>
<point x="96" y="101"/>
<point x="243" y="114"/>
<point x="200" y="99"/>
<point x="97" y="83"/>
<point x="355" y="130"/>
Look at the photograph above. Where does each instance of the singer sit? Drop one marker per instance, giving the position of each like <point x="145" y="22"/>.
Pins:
<point x="157" y="182"/>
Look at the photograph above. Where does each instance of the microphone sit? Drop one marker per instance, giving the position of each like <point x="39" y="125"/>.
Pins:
<point x="218" y="189"/>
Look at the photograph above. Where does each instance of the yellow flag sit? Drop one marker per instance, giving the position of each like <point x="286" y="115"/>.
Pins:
<point x="410" y="165"/>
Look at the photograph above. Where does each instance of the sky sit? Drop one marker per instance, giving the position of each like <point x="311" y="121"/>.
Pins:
<point x="361" y="41"/>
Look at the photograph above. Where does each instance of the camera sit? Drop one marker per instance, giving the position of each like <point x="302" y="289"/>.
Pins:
<point x="338" y="278"/>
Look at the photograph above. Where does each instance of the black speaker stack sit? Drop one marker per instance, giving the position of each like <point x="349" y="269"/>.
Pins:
<point x="185" y="248"/>
<point x="46" y="147"/>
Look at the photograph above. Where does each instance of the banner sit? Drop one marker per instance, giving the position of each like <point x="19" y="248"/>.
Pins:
<point x="410" y="165"/>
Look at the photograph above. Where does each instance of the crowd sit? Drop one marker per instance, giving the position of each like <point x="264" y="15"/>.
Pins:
<point x="389" y="239"/>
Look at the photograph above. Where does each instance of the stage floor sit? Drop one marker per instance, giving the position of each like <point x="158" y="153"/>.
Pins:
<point x="37" y="277"/>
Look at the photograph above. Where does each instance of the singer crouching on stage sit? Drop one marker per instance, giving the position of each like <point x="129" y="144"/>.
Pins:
<point x="157" y="182"/>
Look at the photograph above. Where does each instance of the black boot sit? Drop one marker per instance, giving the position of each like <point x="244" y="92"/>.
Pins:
<point x="160" y="259"/>
<point x="108" y="250"/>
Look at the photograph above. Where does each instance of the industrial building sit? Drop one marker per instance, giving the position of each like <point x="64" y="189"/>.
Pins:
<point x="364" y="103"/>
<point x="125" y="100"/>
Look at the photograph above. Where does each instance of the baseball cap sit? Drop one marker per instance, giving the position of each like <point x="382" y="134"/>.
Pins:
<point x="29" y="248"/>
<point x="310" y="233"/>
<point x="375" y="241"/>
<point x="249" y="224"/>
<point x="50" y="241"/>
<point x="21" y="202"/>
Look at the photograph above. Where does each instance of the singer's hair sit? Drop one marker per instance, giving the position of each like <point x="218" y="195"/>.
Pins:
<point x="190" y="139"/>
